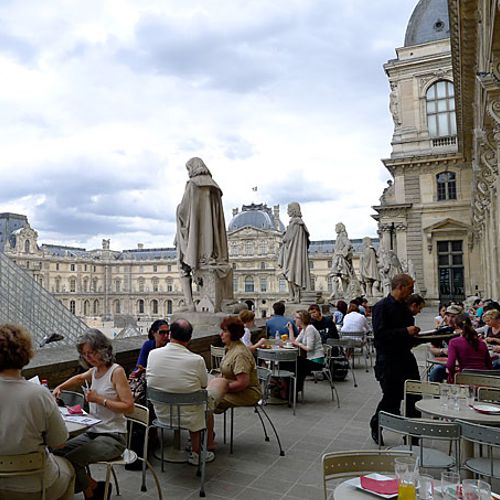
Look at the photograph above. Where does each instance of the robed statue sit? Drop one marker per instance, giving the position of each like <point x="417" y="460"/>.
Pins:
<point x="368" y="268"/>
<point x="201" y="238"/>
<point x="293" y="257"/>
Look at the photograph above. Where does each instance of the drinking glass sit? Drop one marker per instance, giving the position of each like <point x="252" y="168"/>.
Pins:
<point x="406" y="471"/>
<point x="425" y="487"/>
<point x="445" y="395"/>
<point x="450" y="485"/>
<point x="454" y="396"/>
<point x="471" y="396"/>
<point x="472" y="489"/>
<point x="405" y="465"/>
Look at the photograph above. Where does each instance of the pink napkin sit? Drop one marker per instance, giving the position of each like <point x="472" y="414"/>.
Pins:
<point x="384" y="487"/>
<point x="75" y="410"/>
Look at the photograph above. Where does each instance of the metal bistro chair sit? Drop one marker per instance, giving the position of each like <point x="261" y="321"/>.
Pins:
<point x="24" y="465"/>
<point x="418" y="388"/>
<point x="176" y="402"/>
<point x="424" y="429"/>
<point x="488" y="394"/>
<point x="277" y="356"/>
<point x="264" y="375"/>
<point x="216" y="355"/>
<point x="326" y="371"/>
<point x="481" y="379"/>
<point x="342" y="344"/>
<point x="359" y="341"/>
<point x="72" y="398"/>
<point x="140" y="416"/>
<point x="487" y="436"/>
<point x="346" y="464"/>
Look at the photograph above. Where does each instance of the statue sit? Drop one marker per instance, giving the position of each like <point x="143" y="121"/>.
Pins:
<point x="201" y="238"/>
<point x="389" y="266"/>
<point x="368" y="268"/>
<point x="394" y="104"/>
<point x="409" y="268"/>
<point x="345" y="283"/>
<point x="293" y="257"/>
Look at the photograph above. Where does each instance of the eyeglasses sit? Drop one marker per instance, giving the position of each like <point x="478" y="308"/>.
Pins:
<point x="163" y="332"/>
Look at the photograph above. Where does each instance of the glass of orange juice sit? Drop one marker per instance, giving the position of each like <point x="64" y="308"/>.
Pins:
<point x="407" y="489"/>
<point x="406" y="470"/>
<point x="284" y="337"/>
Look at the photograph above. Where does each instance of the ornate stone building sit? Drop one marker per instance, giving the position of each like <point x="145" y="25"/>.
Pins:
<point x="475" y="47"/>
<point x="425" y="213"/>
<point x="144" y="283"/>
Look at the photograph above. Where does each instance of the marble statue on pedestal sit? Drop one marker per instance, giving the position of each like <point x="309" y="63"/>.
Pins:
<point x="389" y="266"/>
<point x="201" y="238"/>
<point x="368" y="269"/>
<point x="345" y="284"/>
<point x="293" y="257"/>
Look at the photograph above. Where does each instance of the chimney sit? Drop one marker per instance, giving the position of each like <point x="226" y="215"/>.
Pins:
<point x="140" y="246"/>
<point x="235" y="211"/>
<point x="276" y="214"/>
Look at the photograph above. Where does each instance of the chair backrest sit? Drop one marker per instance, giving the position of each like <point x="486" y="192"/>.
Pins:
<point x="344" y="464"/>
<point x="280" y="355"/>
<point x="354" y="335"/>
<point x="216" y="355"/>
<point x="477" y="379"/>
<point x="24" y="465"/>
<point x="327" y="349"/>
<point x="177" y="399"/>
<point x="488" y="394"/>
<point x="482" y="434"/>
<point x="72" y="398"/>
<point x="139" y="416"/>
<point x="264" y="375"/>
<point x="346" y="342"/>
<point x="418" y="388"/>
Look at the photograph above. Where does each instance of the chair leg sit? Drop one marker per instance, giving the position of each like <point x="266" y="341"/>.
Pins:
<point x="232" y="432"/>
<point x="332" y="386"/>
<point x="262" y="422"/>
<point x="155" y="477"/>
<point x="202" y="462"/>
<point x="365" y="353"/>
<point x="352" y="373"/>
<point x="224" y="416"/>
<point x="161" y="445"/>
<point x="282" y="453"/>
<point x="108" y="478"/>
<point x="294" y="395"/>
<point x="116" y="482"/>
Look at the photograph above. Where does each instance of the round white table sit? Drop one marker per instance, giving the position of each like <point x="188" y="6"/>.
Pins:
<point x="436" y="408"/>
<point x="345" y="491"/>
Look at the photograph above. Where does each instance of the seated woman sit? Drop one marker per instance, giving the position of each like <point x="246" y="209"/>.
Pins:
<point x="248" y="318"/>
<point x="309" y="340"/>
<point x="354" y="321"/>
<point x="31" y="421"/>
<point x="341" y="311"/>
<point x="237" y="367"/>
<point x="110" y="398"/>
<point x="468" y="350"/>
<point x="439" y="320"/>
<point x="157" y="337"/>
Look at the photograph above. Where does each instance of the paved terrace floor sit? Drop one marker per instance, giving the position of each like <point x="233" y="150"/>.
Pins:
<point x="255" y="470"/>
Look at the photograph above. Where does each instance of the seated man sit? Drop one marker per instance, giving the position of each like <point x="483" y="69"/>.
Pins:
<point x="324" y="324"/>
<point x="174" y="368"/>
<point x="277" y="324"/>
<point x="439" y="348"/>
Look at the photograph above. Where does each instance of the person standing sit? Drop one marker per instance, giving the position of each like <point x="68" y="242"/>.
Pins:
<point x="394" y="332"/>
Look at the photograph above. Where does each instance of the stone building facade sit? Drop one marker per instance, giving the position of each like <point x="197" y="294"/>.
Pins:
<point x="144" y="282"/>
<point x="425" y="212"/>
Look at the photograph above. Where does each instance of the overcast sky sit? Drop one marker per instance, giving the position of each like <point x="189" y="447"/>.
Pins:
<point x="103" y="102"/>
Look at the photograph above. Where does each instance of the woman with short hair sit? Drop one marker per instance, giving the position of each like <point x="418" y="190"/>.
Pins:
<point x="248" y="318"/>
<point x="354" y="321"/>
<point x="109" y="398"/>
<point x="30" y="422"/>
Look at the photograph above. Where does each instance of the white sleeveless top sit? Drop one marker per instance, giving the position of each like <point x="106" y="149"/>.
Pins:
<point x="110" y="420"/>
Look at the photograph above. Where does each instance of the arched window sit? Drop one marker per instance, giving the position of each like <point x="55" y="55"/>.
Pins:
<point x="94" y="285"/>
<point x="118" y="286"/>
<point x="85" y="285"/>
<point x="117" y="307"/>
<point x="169" y="307"/>
<point x="27" y="246"/>
<point x="155" y="284"/>
<point x="86" y="308"/>
<point x="170" y="285"/>
<point x="154" y="306"/>
<point x="140" y="306"/>
<point x="72" y="306"/>
<point x="263" y="284"/>
<point x="446" y="186"/>
<point x="440" y="101"/>
<point x="95" y="308"/>
<point x="262" y="265"/>
<point x="72" y="285"/>
<point x="249" y="284"/>
<point x="58" y="284"/>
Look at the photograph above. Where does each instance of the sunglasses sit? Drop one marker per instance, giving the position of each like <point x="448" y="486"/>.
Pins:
<point x="163" y="332"/>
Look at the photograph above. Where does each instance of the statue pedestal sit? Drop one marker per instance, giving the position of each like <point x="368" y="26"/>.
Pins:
<point x="214" y="291"/>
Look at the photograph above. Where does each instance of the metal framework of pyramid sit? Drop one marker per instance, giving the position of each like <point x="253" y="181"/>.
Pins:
<point x="23" y="301"/>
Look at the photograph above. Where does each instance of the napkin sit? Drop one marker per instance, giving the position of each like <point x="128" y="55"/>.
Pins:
<point x="75" y="410"/>
<point x="382" y="487"/>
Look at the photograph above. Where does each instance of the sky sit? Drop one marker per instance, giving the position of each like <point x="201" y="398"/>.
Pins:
<point x="104" y="101"/>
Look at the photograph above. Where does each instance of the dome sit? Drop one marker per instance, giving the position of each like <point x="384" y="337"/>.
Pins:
<point x="428" y="22"/>
<point x="256" y="216"/>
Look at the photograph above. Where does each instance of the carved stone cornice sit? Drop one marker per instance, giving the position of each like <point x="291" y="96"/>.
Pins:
<point x="437" y="74"/>
<point x="393" y="211"/>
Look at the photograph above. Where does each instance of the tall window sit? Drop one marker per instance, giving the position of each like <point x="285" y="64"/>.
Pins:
<point x="262" y="265"/>
<point x="263" y="285"/>
<point x="282" y="285"/>
<point x="27" y="246"/>
<point x="94" y="285"/>
<point x="117" y="307"/>
<point x="154" y="306"/>
<point x="170" y="285"/>
<point x="235" y="283"/>
<point x="72" y="267"/>
<point x="446" y="186"/>
<point x="72" y="306"/>
<point x="441" y="120"/>
<point x="169" y="307"/>
<point x="140" y="306"/>
<point x="72" y="285"/>
<point x="95" y="308"/>
<point x="155" y="284"/>
<point x="86" y="308"/>
<point x="85" y="285"/>
<point x="118" y="285"/>
<point x="249" y="284"/>
<point x="58" y="284"/>
<point x="141" y="285"/>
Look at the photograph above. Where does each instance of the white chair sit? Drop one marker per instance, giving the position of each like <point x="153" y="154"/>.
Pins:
<point x="24" y="465"/>
<point x="175" y="402"/>
<point x="140" y="416"/>
<point x="326" y="372"/>
<point x="216" y="355"/>
<point x="359" y="341"/>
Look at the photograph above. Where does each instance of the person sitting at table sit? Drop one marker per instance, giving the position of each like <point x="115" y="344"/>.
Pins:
<point x="492" y="330"/>
<point x="309" y="340"/>
<point x="109" y="398"/>
<point x="468" y="350"/>
<point x="341" y="311"/>
<point x="324" y="324"/>
<point x="30" y="422"/>
<point x="440" y="320"/>
<point x="354" y="321"/>
<point x="439" y="348"/>
<point x="174" y="368"/>
<point x="157" y="337"/>
<point x="237" y="367"/>
<point x="248" y="318"/>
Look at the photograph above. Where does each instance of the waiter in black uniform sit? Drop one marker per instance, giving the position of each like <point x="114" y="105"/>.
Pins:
<point x="394" y="334"/>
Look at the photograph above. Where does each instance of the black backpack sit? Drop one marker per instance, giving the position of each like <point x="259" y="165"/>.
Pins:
<point x="339" y="364"/>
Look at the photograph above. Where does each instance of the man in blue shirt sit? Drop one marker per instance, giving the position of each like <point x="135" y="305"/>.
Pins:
<point x="278" y="322"/>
